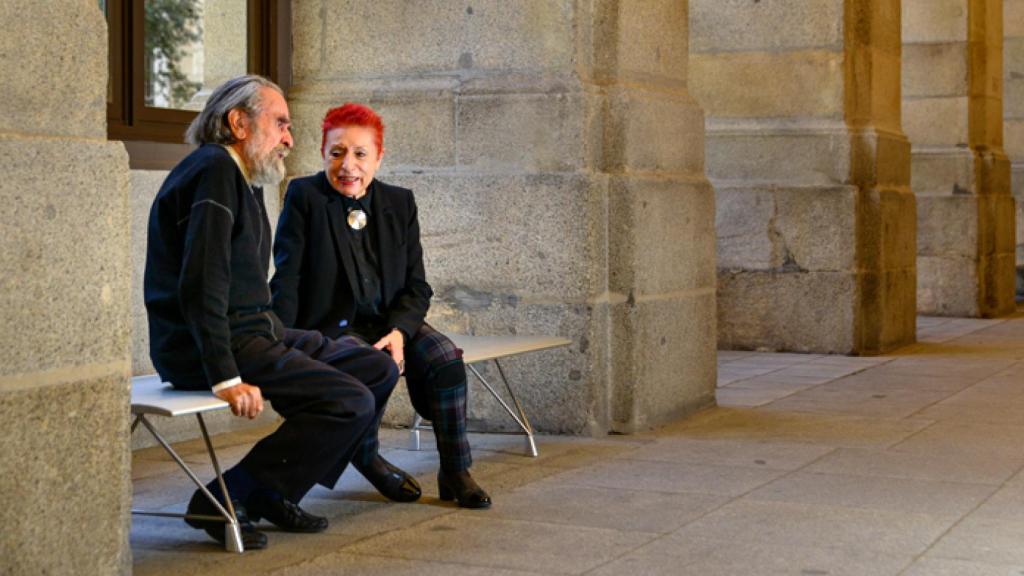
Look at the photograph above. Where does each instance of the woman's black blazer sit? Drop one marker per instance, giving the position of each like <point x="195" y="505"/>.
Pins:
<point x="312" y="286"/>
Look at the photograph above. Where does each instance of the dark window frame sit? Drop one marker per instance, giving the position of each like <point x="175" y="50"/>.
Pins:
<point x="154" y="137"/>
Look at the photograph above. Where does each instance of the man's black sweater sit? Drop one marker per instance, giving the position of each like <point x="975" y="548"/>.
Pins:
<point x="207" y="261"/>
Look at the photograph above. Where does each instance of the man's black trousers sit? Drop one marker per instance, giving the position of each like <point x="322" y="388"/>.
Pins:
<point x="328" y="391"/>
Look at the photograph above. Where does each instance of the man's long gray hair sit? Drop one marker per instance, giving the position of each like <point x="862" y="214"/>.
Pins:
<point x="211" y="125"/>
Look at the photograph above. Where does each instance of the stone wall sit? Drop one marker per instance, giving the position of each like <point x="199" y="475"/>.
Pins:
<point x="556" y="159"/>
<point x="815" y="222"/>
<point x="952" y="69"/>
<point x="64" y="481"/>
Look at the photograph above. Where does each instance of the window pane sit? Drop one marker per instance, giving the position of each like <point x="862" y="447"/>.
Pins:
<point x="191" y="47"/>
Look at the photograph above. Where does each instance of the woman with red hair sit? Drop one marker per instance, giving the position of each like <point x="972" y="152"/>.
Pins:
<point x="349" y="263"/>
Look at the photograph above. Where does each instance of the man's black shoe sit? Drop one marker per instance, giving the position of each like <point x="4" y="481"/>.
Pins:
<point x="252" y="539"/>
<point x="284" y="514"/>
<point x="390" y="480"/>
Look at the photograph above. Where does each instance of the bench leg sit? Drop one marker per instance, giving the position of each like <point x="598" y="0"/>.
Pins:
<point x="233" y="540"/>
<point x="414" y="432"/>
<point x="520" y="418"/>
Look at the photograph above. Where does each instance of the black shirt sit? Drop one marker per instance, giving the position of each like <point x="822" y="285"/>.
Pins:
<point x="369" y="321"/>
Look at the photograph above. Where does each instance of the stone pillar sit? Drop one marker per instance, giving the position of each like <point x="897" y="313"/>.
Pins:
<point x="1013" y="115"/>
<point x="952" y="109"/>
<point x="556" y="159"/>
<point x="64" y="479"/>
<point x="815" y="219"/>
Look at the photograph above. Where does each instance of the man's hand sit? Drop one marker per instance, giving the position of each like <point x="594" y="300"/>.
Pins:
<point x="245" y="400"/>
<point x="394" y="343"/>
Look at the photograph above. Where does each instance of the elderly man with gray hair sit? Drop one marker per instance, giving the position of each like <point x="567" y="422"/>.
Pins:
<point x="212" y="327"/>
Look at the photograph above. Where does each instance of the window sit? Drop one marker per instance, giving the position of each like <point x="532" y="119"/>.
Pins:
<point x="166" y="56"/>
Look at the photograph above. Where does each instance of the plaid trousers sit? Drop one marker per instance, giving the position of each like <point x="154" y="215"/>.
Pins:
<point x="436" y="379"/>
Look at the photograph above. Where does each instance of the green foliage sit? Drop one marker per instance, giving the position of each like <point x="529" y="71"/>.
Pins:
<point x="171" y="27"/>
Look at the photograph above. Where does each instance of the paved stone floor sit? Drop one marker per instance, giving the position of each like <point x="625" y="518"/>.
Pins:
<point x="812" y="465"/>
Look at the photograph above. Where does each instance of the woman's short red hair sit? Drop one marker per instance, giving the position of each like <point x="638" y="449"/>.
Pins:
<point x="352" y="114"/>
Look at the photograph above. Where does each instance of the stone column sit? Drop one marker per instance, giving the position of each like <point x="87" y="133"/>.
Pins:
<point x="556" y="159"/>
<point x="815" y="219"/>
<point x="952" y="109"/>
<point x="64" y="479"/>
<point x="1013" y="114"/>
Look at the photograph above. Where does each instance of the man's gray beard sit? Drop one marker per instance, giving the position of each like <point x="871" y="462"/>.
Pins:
<point x="268" y="171"/>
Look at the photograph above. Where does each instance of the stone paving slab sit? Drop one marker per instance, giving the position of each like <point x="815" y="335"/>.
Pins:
<point x="671" y="477"/>
<point x="764" y="454"/>
<point x="966" y="467"/>
<point x="943" y="567"/>
<point x="347" y="564"/>
<point x="468" y="538"/>
<point x="937" y="498"/>
<point x="818" y="526"/>
<point x="557" y="501"/>
<point x="707" y="557"/>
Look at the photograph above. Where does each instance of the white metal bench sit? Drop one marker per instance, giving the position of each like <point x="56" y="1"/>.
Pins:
<point x="151" y="396"/>
<point x="477" y="349"/>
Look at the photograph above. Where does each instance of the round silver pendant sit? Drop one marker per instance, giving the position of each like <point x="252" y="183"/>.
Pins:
<point x="356" y="219"/>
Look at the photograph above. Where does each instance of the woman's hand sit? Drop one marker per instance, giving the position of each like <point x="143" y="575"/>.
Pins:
<point x="394" y="344"/>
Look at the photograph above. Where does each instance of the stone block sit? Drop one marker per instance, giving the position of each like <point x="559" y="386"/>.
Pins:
<point x="1013" y="94"/>
<point x="224" y="42"/>
<point x="65" y="249"/>
<point x="1014" y="139"/>
<point x="896" y="313"/>
<point x="36" y="91"/>
<point x="919" y="123"/>
<point x="1018" y="184"/>
<point x="745" y="228"/>
<point x="998" y="289"/>
<point x="947" y="286"/>
<point x="549" y="247"/>
<point x="660" y="237"/>
<point x="771" y="154"/>
<point x="1013" y="18"/>
<point x="769" y="84"/>
<point x="65" y="491"/>
<point x="418" y="128"/>
<point x="308" y="26"/>
<point x="935" y="69"/>
<point x="663" y="359"/>
<point x="895" y="227"/>
<point x="993" y="170"/>
<point x="878" y="88"/>
<point x="948" y="172"/>
<point x="440" y="36"/>
<point x="639" y="123"/>
<point x="739" y="25"/>
<point x="798" y="311"/>
<point x="786" y="228"/>
<point x="651" y="40"/>
<point x="1013" y="84"/>
<point x="934" y="20"/>
<point x="533" y="133"/>
<point x="947" y="226"/>
<point x="817" y="227"/>
<point x="880" y="158"/>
